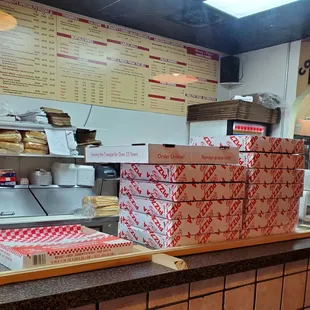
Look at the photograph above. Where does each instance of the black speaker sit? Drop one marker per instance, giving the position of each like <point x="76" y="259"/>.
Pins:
<point x="230" y="67"/>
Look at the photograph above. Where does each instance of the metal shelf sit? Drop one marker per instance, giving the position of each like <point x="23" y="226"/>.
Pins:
<point x="18" y="125"/>
<point x="42" y="156"/>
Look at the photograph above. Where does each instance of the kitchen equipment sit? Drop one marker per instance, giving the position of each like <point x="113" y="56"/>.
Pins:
<point x="18" y="202"/>
<point x="85" y="175"/>
<point x="106" y="181"/>
<point x="41" y="177"/>
<point x="64" y="174"/>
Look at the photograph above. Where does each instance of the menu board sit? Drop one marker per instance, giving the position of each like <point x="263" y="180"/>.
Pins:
<point x="28" y="52"/>
<point x="128" y="68"/>
<point x="53" y="54"/>
<point x="203" y="65"/>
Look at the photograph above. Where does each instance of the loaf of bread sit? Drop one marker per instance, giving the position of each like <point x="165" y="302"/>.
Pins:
<point x="10" y="136"/>
<point x="35" y="135"/>
<point x="100" y="201"/>
<point x="34" y="140"/>
<point x="12" y="147"/>
<point x="36" y="146"/>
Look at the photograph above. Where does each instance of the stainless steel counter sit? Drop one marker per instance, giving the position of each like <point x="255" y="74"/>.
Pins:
<point x="63" y="200"/>
<point x="18" y="202"/>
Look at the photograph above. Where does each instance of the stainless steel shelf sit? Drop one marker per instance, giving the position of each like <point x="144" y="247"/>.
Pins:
<point x="41" y="156"/>
<point x="18" y="125"/>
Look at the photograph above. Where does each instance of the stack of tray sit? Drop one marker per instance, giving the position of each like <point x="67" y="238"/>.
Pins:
<point x="233" y="110"/>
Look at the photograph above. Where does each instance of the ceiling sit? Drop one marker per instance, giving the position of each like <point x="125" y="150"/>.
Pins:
<point x="194" y="22"/>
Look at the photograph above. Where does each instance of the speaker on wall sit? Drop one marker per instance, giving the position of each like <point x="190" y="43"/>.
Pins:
<point x="230" y="67"/>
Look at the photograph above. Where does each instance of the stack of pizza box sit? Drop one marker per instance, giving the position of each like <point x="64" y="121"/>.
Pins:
<point x="168" y="205"/>
<point x="274" y="176"/>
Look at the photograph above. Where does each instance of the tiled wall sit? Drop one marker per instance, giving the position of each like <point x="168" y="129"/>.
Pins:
<point x="281" y="287"/>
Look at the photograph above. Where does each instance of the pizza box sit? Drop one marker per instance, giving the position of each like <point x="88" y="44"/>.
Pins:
<point x="161" y="154"/>
<point x="24" y="248"/>
<point x="180" y="210"/>
<point x="253" y="143"/>
<point x="184" y="173"/>
<point x="182" y="191"/>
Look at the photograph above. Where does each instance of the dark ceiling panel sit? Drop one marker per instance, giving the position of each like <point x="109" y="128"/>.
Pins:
<point x="194" y="22"/>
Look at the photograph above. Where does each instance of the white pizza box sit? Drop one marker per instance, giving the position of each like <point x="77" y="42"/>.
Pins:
<point x="190" y="226"/>
<point x="184" y="173"/>
<point x="180" y="210"/>
<point x="253" y="143"/>
<point x="267" y="231"/>
<point x="161" y="154"/>
<point x="40" y="246"/>
<point x="251" y="221"/>
<point x="182" y="191"/>
<point x="158" y="241"/>
<point x="254" y="206"/>
<point x="274" y="161"/>
<point x="266" y="191"/>
<point x="275" y="176"/>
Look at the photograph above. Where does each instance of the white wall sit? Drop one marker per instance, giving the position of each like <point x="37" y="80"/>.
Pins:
<point x="114" y="126"/>
<point x="274" y="70"/>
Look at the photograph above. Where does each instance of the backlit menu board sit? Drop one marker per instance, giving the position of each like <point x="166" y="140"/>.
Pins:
<point x="57" y="55"/>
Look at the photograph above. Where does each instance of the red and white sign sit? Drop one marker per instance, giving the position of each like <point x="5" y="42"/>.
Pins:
<point x="253" y="143"/>
<point x="184" y="173"/>
<point x="180" y="210"/>
<point x="270" y="219"/>
<point x="266" y="191"/>
<point x="274" y="161"/>
<point x="275" y="176"/>
<point x="32" y="247"/>
<point x="254" y="206"/>
<point x="182" y="191"/>
<point x="161" y="154"/>
<point x="159" y="241"/>
<point x="190" y="226"/>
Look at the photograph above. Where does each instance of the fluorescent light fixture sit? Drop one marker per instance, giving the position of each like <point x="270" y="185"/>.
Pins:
<point x="242" y="8"/>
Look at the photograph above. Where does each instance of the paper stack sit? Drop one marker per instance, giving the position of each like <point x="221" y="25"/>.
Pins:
<point x="174" y="205"/>
<point x="274" y="181"/>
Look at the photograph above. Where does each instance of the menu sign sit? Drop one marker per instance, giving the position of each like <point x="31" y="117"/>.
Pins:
<point x="53" y="54"/>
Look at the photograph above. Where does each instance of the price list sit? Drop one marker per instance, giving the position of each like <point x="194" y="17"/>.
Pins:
<point x="81" y="60"/>
<point x="28" y="52"/>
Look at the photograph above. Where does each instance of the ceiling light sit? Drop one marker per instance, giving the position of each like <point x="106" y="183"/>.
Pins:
<point x="242" y="8"/>
<point x="7" y="21"/>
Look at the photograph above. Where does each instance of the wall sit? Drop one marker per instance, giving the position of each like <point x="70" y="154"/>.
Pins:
<point x="273" y="70"/>
<point x="114" y="126"/>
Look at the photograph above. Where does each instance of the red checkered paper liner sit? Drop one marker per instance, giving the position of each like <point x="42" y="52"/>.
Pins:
<point x="56" y="244"/>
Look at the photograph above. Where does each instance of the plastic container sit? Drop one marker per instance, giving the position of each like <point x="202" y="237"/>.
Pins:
<point x="64" y="174"/>
<point x="41" y="177"/>
<point x="85" y="175"/>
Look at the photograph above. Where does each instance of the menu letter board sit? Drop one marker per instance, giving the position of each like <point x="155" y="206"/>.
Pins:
<point x="52" y="54"/>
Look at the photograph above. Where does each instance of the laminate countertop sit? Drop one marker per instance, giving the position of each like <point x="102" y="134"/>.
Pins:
<point x="76" y="290"/>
